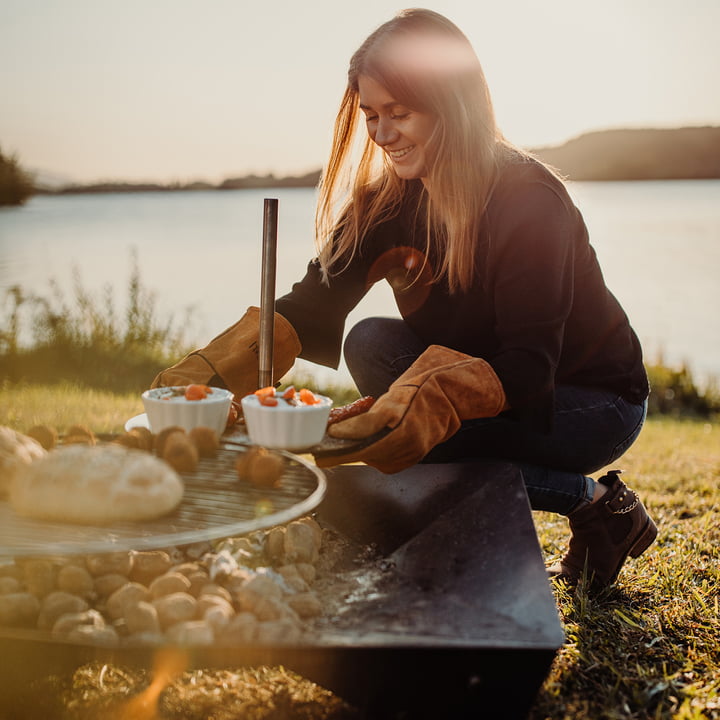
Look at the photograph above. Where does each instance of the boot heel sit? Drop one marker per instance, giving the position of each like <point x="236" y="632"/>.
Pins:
<point x="646" y="539"/>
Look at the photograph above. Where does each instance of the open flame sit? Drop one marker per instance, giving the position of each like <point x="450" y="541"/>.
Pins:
<point x="168" y="664"/>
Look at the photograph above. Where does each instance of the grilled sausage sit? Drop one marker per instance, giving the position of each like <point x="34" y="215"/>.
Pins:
<point x="345" y="412"/>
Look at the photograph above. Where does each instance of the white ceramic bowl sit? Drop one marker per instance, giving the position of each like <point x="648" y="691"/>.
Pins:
<point x="284" y="426"/>
<point x="168" y="406"/>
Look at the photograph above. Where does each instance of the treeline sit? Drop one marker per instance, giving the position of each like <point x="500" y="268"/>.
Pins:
<point x="16" y="186"/>
<point x="237" y="183"/>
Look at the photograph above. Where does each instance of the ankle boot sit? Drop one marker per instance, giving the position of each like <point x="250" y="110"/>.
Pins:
<point x="604" y="533"/>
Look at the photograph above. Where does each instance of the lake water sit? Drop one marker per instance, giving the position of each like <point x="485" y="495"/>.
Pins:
<point x="658" y="244"/>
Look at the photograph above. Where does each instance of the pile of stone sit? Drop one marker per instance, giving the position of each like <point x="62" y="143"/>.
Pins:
<point x="250" y="589"/>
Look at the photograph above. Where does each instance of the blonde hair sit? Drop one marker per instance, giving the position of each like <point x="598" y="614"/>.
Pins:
<point x="427" y="64"/>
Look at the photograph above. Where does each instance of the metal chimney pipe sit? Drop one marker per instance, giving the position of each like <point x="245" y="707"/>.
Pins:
<point x="267" y="293"/>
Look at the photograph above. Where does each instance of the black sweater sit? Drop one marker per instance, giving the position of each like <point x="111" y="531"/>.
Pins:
<point x="539" y="310"/>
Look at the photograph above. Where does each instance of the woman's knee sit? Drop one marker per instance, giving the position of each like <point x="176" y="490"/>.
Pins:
<point x="378" y="350"/>
<point x="382" y="338"/>
<point x="360" y="340"/>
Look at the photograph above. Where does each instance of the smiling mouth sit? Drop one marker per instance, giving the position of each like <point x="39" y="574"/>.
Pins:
<point x="399" y="154"/>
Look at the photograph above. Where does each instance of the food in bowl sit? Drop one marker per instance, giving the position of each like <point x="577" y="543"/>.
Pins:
<point x="289" y="420"/>
<point x="188" y="407"/>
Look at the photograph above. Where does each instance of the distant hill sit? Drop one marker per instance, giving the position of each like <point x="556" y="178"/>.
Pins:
<point x="645" y="154"/>
<point x="623" y="154"/>
<point x="311" y="179"/>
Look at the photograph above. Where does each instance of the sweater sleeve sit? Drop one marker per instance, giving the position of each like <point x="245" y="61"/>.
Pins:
<point x="531" y="266"/>
<point x="318" y="310"/>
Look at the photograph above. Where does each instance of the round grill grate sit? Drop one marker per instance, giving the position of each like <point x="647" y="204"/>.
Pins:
<point x="215" y="505"/>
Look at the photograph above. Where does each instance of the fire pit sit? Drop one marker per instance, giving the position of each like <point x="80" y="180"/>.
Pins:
<point x="453" y="611"/>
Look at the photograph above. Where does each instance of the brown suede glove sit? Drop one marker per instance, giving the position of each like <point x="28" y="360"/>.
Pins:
<point x="423" y="408"/>
<point x="231" y="359"/>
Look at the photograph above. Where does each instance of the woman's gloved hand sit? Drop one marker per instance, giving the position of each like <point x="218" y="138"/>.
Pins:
<point x="423" y="407"/>
<point x="231" y="359"/>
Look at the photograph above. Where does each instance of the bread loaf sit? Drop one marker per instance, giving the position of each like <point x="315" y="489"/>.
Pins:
<point x="96" y="485"/>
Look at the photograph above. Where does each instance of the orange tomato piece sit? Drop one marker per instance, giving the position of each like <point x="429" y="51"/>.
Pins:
<point x="289" y="393"/>
<point x="268" y="391"/>
<point x="308" y="397"/>
<point x="268" y="400"/>
<point x="197" y="392"/>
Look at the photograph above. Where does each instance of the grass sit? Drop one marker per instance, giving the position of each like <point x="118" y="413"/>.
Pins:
<point x="650" y="646"/>
<point x="22" y="406"/>
<point x="647" y="648"/>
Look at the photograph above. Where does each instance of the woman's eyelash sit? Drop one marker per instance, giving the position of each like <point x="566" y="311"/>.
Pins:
<point x="394" y="116"/>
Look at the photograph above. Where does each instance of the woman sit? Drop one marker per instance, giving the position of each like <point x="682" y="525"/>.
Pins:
<point x="510" y="345"/>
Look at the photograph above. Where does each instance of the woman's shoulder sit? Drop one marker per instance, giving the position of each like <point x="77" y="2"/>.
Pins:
<point x="522" y="177"/>
<point x="517" y="167"/>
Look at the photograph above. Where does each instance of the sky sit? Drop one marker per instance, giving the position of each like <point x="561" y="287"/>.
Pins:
<point x="183" y="90"/>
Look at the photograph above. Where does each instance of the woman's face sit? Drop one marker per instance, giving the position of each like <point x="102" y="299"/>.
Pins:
<point x="401" y="132"/>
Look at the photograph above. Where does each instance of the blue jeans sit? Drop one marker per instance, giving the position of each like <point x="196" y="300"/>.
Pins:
<point x="591" y="428"/>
